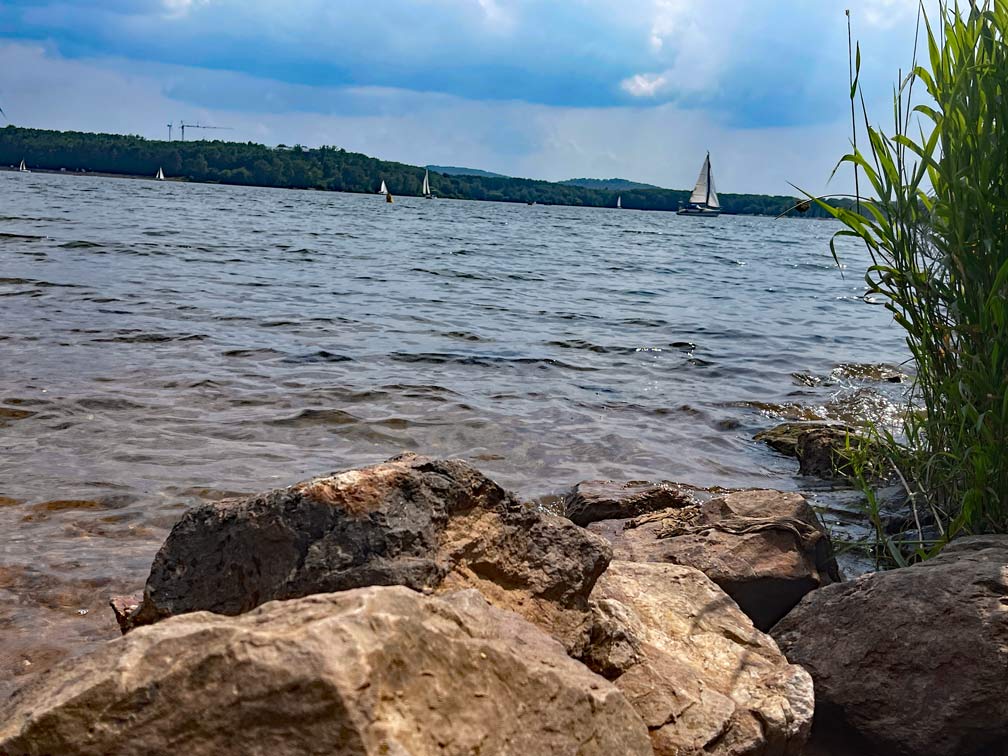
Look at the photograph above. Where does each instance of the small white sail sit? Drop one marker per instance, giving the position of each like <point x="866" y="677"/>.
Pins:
<point x="22" y="167"/>
<point x="619" y="202"/>
<point x="160" y="174"/>
<point x="383" y="189"/>
<point x="426" y="184"/>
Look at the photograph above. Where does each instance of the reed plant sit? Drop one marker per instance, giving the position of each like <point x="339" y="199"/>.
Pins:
<point x="936" y="227"/>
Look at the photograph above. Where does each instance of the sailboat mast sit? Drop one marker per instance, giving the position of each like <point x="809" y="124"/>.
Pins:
<point x="707" y="201"/>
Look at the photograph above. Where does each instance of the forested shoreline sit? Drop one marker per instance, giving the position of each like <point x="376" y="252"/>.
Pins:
<point x="324" y="168"/>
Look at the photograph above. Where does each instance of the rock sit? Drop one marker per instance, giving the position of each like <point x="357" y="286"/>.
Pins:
<point x="824" y="453"/>
<point x="784" y="437"/>
<point x="594" y="500"/>
<point x="820" y="447"/>
<point x="125" y="609"/>
<point x="915" y="660"/>
<point x="426" y="524"/>
<point x="766" y="549"/>
<point x="370" y="671"/>
<point x="707" y="681"/>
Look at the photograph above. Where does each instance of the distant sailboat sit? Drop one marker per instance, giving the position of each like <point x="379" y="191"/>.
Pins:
<point x="619" y="202"/>
<point x="160" y="174"/>
<point x="704" y="199"/>
<point x="383" y="189"/>
<point x="426" y="192"/>
<point x="23" y="168"/>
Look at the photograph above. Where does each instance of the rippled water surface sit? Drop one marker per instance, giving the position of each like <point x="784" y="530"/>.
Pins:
<point x="165" y="344"/>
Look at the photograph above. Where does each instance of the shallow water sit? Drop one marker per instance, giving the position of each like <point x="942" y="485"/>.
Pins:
<point x="165" y="344"/>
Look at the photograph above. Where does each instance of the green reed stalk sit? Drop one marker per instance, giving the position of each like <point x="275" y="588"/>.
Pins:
<point x="937" y="232"/>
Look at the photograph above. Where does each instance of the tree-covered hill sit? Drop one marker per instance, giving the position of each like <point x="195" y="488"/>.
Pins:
<point x="615" y="184"/>
<point x="454" y="170"/>
<point x="325" y="168"/>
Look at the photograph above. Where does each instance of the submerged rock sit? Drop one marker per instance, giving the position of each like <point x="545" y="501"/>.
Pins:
<point x="426" y="524"/>
<point x="914" y="660"/>
<point x="594" y="500"/>
<point x="369" y="671"/>
<point x="766" y="549"/>
<point x="704" y="680"/>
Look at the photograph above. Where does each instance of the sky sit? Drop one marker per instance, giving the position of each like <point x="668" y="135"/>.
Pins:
<point x="552" y="89"/>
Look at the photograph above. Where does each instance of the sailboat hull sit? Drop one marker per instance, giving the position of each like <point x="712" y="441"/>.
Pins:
<point x="705" y="212"/>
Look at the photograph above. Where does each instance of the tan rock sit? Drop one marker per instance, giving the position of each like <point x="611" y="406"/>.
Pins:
<point x="368" y="671"/>
<point x="709" y="682"/>
<point x="766" y="549"/>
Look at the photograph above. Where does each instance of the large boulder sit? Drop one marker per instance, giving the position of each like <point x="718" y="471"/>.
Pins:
<point x="766" y="549"/>
<point x="426" y="524"/>
<point x="593" y="500"/>
<point x="914" y="660"/>
<point x="704" y="680"/>
<point x="370" y="671"/>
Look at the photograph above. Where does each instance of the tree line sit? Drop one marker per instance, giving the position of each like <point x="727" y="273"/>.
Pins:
<point x="325" y="168"/>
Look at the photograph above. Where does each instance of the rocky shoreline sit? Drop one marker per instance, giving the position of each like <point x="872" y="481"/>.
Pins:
<point x="416" y="607"/>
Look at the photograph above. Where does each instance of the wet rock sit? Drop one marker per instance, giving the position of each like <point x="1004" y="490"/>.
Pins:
<point x="707" y="681"/>
<point x="370" y="671"/>
<point x="766" y="549"/>
<point x="824" y="452"/>
<point x="821" y="448"/>
<point x="426" y="524"/>
<point x="594" y="500"/>
<point x="125" y="609"/>
<point x="914" y="660"/>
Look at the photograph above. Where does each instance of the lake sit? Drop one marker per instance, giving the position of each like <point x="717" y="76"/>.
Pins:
<point x="165" y="344"/>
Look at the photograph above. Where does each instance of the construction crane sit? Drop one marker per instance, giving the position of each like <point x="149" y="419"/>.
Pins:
<point x="185" y="126"/>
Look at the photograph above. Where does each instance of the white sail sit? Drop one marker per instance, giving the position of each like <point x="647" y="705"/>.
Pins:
<point x="160" y="175"/>
<point x="713" y="201"/>
<point x="383" y="189"/>
<point x="619" y="202"/>
<point x="426" y="184"/>
<point x="699" y="196"/>
<point x="22" y="167"/>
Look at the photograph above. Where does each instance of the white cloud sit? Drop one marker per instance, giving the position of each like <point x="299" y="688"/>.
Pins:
<point x="645" y="85"/>
<point x="887" y="13"/>
<point x="180" y="8"/>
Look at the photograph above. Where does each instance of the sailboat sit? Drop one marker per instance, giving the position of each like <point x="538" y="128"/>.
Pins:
<point x="160" y="174"/>
<point x="426" y="192"/>
<point x="23" y="168"/>
<point x="619" y="202"/>
<point x="383" y="189"/>
<point x="703" y="200"/>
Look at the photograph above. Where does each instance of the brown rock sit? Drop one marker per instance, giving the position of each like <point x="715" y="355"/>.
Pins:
<point x="426" y="524"/>
<point x="916" y="659"/>
<point x="370" y="671"/>
<point x="708" y="682"/>
<point x="766" y="549"/>
<point x="594" y="500"/>
<point x="820" y="447"/>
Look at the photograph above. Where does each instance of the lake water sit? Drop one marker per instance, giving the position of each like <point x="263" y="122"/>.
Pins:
<point x="165" y="344"/>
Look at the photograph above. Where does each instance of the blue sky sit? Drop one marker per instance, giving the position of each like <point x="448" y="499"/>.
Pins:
<point x="543" y="88"/>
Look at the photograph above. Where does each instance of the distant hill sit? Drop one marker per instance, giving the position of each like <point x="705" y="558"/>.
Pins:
<point x="612" y="185"/>
<point x="454" y="170"/>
